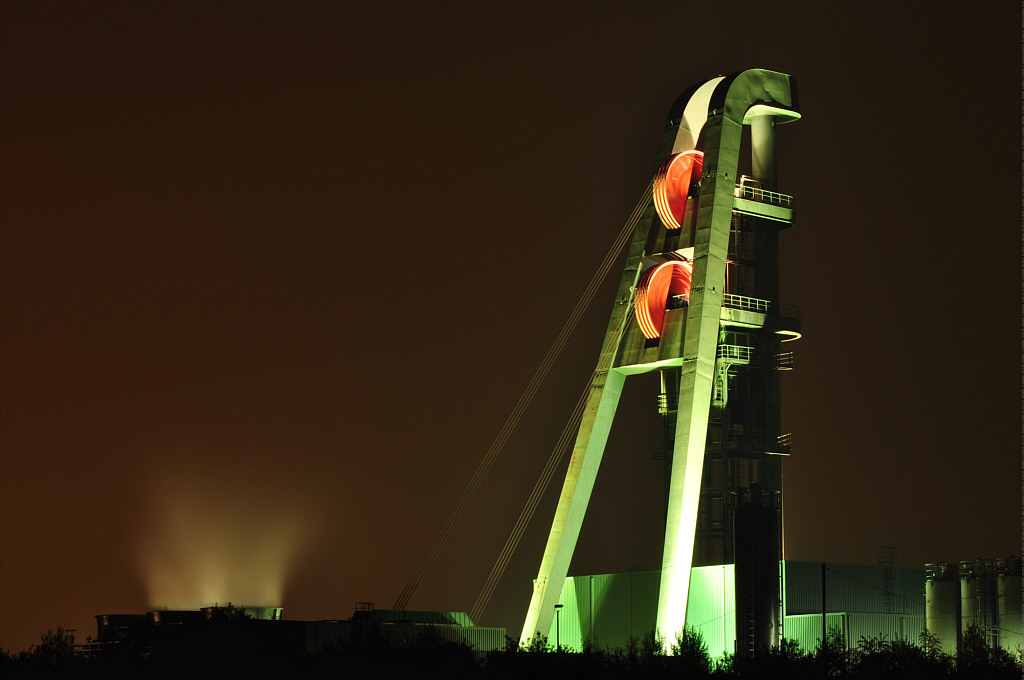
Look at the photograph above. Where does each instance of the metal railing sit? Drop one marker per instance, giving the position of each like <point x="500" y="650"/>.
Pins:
<point x="763" y="441"/>
<point x="760" y="305"/>
<point x="748" y="303"/>
<point x="759" y="195"/>
<point x="678" y="301"/>
<point x="736" y="353"/>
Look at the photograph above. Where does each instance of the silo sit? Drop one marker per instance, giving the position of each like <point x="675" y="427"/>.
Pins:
<point x="978" y="601"/>
<point x="1011" y="637"/>
<point x="942" y="604"/>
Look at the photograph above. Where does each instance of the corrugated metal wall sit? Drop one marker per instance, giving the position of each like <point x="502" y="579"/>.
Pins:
<point x="888" y="626"/>
<point x="711" y="607"/>
<point x="805" y="629"/>
<point x="609" y="610"/>
<point x="318" y="636"/>
<point x="644" y="590"/>
<point x="852" y="588"/>
<point x="480" y="638"/>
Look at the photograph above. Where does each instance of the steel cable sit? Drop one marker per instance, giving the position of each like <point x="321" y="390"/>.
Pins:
<point x="524" y="400"/>
<point x="526" y="515"/>
<point x="558" y="453"/>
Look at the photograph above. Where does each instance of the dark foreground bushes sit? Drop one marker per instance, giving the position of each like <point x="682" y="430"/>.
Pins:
<point x="233" y="651"/>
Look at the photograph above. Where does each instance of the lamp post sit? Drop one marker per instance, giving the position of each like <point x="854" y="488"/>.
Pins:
<point x="558" y="642"/>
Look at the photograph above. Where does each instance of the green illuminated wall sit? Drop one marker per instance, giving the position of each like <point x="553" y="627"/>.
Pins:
<point x="610" y="609"/>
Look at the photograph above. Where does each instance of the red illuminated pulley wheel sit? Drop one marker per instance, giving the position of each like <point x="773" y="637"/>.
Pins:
<point x="659" y="285"/>
<point x="674" y="182"/>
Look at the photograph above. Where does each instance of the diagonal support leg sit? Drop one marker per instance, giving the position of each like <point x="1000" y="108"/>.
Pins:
<point x="572" y="505"/>
<point x="696" y="382"/>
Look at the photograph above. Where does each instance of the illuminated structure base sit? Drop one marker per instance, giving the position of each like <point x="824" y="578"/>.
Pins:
<point x="607" y="611"/>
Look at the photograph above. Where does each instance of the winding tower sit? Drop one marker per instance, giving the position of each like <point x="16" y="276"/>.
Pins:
<point x="698" y="301"/>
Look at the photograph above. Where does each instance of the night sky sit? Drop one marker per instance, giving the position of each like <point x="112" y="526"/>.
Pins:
<point x="274" y="274"/>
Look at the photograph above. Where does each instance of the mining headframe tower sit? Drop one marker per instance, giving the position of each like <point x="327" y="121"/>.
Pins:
<point x="698" y="301"/>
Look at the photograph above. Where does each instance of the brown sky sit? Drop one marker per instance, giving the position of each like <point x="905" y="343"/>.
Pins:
<point x="273" y="277"/>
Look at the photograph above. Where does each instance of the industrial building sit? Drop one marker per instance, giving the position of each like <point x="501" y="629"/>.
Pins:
<point x="699" y="302"/>
<point x="366" y="626"/>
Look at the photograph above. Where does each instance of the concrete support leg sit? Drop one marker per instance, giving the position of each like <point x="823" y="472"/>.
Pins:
<point x="572" y="505"/>
<point x="700" y="345"/>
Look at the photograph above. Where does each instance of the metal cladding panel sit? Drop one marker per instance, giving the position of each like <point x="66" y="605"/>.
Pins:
<point x="570" y="627"/>
<point x="912" y="627"/>
<point x="318" y="636"/>
<point x="480" y="638"/>
<point x="803" y="587"/>
<point x="609" y="610"/>
<point x="711" y="607"/>
<point x="852" y="588"/>
<point x="583" y="602"/>
<point x="805" y="629"/>
<point x="643" y="610"/>
<point x="606" y="610"/>
<point x="887" y="626"/>
<point x="611" y="628"/>
<point x="909" y="591"/>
